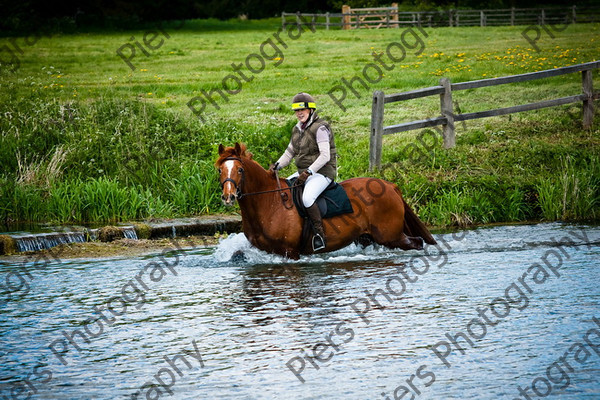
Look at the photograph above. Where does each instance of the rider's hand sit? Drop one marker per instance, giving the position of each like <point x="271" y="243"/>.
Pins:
<point x="273" y="168"/>
<point x="303" y="177"/>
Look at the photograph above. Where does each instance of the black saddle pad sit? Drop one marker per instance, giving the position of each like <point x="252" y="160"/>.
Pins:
<point x="332" y="202"/>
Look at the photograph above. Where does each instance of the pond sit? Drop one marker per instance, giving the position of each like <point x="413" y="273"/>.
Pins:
<point x="494" y="312"/>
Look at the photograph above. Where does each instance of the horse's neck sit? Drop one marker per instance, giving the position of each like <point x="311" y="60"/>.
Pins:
<point x="258" y="207"/>
<point x="257" y="179"/>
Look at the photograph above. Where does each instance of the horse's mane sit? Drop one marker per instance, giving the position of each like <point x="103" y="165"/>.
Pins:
<point x="239" y="151"/>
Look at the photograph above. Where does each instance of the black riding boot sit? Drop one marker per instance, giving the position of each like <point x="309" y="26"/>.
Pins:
<point x="314" y="214"/>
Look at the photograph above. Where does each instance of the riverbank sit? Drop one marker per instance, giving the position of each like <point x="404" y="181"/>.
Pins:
<point x="117" y="248"/>
<point x="98" y="143"/>
<point x="125" y="239"/>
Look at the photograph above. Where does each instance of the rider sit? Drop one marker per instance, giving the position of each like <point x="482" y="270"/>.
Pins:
<point x="313" y="147"/>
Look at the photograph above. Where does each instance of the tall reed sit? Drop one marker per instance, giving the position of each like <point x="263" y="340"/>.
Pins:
<point x="573" y="194"/>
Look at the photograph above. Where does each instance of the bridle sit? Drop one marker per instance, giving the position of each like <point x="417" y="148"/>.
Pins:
<point x="238" y="188"/>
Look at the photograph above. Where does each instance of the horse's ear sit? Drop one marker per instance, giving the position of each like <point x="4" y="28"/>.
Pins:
<point x="238" y="149"/>
<point x="221" y="149"/>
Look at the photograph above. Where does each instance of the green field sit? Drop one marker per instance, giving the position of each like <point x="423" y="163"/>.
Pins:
<point x="88" y="138"/>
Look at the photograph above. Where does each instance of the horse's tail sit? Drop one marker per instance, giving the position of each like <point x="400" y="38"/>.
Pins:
<point x="413" y="226"/>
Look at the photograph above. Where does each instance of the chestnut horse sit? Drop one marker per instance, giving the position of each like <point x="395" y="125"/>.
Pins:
<point x="272" y="223"/>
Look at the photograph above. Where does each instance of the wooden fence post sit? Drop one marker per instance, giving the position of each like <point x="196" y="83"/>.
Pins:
<point x="327" y="20"/>
<point x="588" y="102"/>
<point x="345" y="17"/>
<point x="376" y="139"/>
<point x="395" y="15"/>
<point x="283" y="20"/>
<point x="447" y="111"/>
<point x="543" y="17"/>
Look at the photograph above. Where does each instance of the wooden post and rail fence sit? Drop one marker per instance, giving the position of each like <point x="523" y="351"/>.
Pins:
<point x="448" y="118"/>
<point x="376" y="17"/>
<point x="390" y="17"/>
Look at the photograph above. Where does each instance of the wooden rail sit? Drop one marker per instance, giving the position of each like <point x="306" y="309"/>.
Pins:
<point x="447" y="118"/>
<point x="390" y="17"/>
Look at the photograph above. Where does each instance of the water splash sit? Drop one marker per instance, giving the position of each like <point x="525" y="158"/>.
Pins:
<point x="231" y="247"/>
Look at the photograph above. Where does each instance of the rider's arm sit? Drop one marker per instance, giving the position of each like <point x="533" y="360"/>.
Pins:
<point x="324" y="154"/>
<point x="286" y="158"/>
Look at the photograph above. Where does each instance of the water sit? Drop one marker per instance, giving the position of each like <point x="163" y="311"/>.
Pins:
<point x="129" y="232"/>
<point x="237" y="320"/>
<point x="27" y="241"/>
<point x="47" y="240"/>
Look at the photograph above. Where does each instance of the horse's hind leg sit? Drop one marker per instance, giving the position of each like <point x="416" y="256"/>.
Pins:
<point x="403" y="242"/>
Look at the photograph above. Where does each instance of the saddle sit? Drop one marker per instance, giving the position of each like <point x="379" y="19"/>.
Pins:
<point x="332" y="202"/>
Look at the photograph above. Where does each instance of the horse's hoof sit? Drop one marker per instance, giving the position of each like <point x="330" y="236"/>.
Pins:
<point x="418" y="243"/>
<point x="415" y="243"/>
<point x="238" y="256"/>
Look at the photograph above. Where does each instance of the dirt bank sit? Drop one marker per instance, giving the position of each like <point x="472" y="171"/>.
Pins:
<point x="117" y="248"/>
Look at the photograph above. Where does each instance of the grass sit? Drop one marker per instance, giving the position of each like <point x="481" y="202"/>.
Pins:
<point x="573" y="193"/>
<point x="86" y="139"/>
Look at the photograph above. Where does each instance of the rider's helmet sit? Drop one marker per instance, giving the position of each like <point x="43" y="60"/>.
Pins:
<point x="303" y="100"/>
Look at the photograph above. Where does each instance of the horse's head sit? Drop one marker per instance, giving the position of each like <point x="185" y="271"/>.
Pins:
<point x="231" y="172"/>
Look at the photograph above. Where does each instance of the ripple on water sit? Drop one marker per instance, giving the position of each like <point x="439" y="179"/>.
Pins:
<point x="251" y="316"/>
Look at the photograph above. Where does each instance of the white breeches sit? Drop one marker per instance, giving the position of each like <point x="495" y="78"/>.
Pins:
<point x="314" y="186"/>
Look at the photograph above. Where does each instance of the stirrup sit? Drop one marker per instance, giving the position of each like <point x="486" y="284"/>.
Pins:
<point x="318" y="243"/>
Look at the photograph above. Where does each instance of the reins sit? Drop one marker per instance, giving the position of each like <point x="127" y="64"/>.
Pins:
<point x="267" y="191"/>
